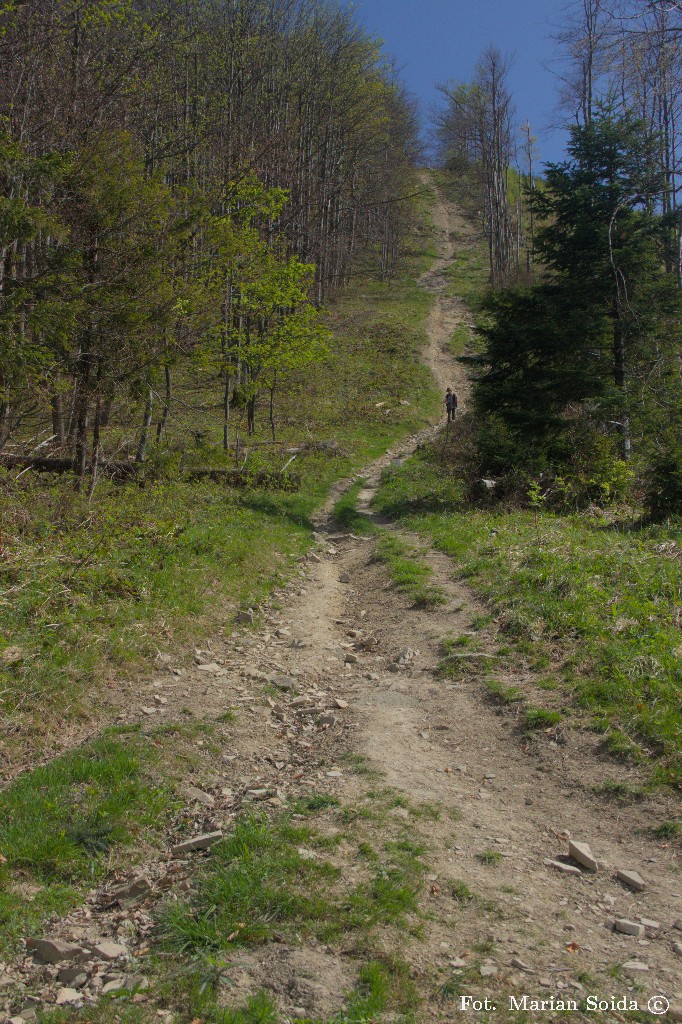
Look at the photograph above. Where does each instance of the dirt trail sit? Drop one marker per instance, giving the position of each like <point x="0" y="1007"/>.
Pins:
<point x="355" y="644"/>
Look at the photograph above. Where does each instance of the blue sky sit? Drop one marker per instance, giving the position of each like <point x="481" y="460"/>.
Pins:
<point x="437" y="40"/>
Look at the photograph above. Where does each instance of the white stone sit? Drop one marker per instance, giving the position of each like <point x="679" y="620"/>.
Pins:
<point x="109" y="950"/>
<point x="567" y="869"/>
<point x="632" y="879"/>
<point x="628" y="927"/>
<point x="583" y="855"/>
<point x="198" y="796"/>
<point x="196" y="843"/>
<point x="68" y="995"/>
<point x="634" y="967"/>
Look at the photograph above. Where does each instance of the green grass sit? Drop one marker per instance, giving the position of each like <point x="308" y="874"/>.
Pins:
<point x="313" y="803"/>
<point x="257" y="882"/>
<point x="409" y="572"/>
<point x="667" y="830"/>
<point x="461" y="892"/>
<point x="503" y="694"/>
<point x="383" y="985"/>
<point x="347" y="517"/>
<point x="541" y="718"/>
<point x="595" y="599"/>
<point x="60" y="823"/>
<point x="489" y="857"/>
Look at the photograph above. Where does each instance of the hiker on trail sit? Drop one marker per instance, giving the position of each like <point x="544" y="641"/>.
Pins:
<point x="450" y="404"/>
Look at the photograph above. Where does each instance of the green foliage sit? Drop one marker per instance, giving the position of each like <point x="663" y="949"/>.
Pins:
<point x="664" y="479"/>
<point x="489" y="857"/>
<point x="565" y="357"/>
<point x="541" y="718"/>
<point x="347" y="516"/>
<point x="256" y="881"/>
<point x="90" y="585"/>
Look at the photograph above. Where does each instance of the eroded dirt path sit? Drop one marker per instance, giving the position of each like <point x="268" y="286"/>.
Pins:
<point x="497" y="919"/>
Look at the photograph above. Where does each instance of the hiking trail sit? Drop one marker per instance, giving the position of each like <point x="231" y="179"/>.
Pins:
<point x="502" y="806"/>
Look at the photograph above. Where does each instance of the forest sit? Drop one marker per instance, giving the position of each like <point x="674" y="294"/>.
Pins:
<point x="182" y="186"/>
<point x="578" y="382"/>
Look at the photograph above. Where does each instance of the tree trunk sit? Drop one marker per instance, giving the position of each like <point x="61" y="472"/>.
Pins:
<point x="146" y="426"/>
<point x="226" y="410"/>
<point x="161" y="425"/>
<point x="58" y="426"/>
<point x="620" y="380"/>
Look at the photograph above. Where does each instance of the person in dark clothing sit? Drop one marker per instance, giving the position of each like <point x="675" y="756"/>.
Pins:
<point x="450" y="404"/>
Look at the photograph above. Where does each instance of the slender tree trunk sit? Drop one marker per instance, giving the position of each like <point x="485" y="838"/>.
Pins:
<point x="272" y="410"/>
<point x="95" y="447"/>
<point x="620" y="380"/>
<point x="146" y="427"/>
<point x="161" y="425"/>
<point x="82" y="415"/>
<point x="58" y="428"/>
<point x="226" y="410"/>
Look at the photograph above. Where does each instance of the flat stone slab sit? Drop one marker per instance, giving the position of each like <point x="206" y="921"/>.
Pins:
<point x="634" y="967"/>
<point x="567" y="869"/>
<point x="68" y="995"/>
<point x="628" y="927"/>
<point x="198" y="796"/>
<point x="136" y="887"/>
<point x="54" y="951"/>
<point x="581" y="853"/>
<point x="202" y="842"/>
<point x="108" y="950"/>
<point x="632" y="879"/>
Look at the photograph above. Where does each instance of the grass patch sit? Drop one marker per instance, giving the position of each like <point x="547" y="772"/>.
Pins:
<point x="619" y="792"/>
<point x="383" y="985"/>
<point x="313" y="803"/>
<point x="489" y="857"/>
<point x="60" y="823"/>
<point x="461" y="892"/>
<point x="667" y="830"/>
<point x="593" y="599"/>
<point x="409" y="572"/>
<point x="541" y="718"/>
<point x="347" y="516"/>
<point x="257" y="882"/>
<point x="359" y="765"/>
<point x="502" y="694"/>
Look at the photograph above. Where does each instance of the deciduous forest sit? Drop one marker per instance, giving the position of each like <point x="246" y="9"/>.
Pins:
<point x="183" y="185"/>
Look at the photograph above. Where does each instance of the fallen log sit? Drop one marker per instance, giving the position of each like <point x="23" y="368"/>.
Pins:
<point x="135" y="470"/>
<point x="46" y="464"/>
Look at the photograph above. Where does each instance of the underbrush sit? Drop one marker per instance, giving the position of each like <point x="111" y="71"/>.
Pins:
<point x="591" y="601"/>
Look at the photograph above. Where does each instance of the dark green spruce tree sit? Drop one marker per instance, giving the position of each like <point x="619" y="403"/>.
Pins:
<point x="574" y="355"/>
